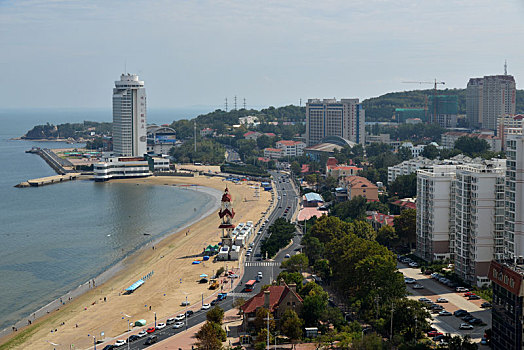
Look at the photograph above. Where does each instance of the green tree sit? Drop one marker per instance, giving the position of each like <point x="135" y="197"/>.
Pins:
<point x="352" y="209"/>
<point x="404" y="186"/>
<point x="387" y="236"/>
<point x="458" y="343"/>
<point x="326" y="228"/>
<point x="209" y="337"/>
<point x="262" y="336"/>
<point x="430" y="152"/>
<point x="406" y="226"/>
<point x="313" y="248"/>
<point x="291" y="325"/>
<point x="404" y="153"/>
<point x="471" y="146"/>
<point x="377" y="148"/>
<point x="261" y="319"/>
<point x="315" y="302"/>
<point x="296" y="263"/>
<point x="296" y="168"/>
<point x="323" y="269"/>
<point x="264" y="141"/>
<point x="291" y="278"/>
<point x="364" y="230"/>
<point x="215" y="315"/>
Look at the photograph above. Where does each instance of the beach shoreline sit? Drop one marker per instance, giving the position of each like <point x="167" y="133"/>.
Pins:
<point x="111" y="270"/>
<point x="125" y="271"/>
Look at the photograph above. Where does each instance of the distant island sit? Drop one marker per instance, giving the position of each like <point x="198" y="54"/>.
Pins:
<point x="86" y="131"/>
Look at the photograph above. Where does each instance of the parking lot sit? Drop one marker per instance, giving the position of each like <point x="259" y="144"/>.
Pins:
<point x="433" y="289"/>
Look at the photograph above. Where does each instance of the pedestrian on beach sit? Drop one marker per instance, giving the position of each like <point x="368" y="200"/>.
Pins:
<point x="104" y="299"/>
<point x="149" y="307"/>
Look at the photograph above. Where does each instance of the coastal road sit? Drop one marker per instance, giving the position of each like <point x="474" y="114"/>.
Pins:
<point x="285" y="196"/>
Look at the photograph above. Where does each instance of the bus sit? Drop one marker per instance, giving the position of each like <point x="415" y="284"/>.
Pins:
<point x="249" y="285"/>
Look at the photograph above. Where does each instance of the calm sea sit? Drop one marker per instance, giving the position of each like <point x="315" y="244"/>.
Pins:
<point x="55" y="237"/>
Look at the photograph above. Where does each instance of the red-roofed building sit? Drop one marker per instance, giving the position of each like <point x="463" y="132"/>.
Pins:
<point x="378" y="220"/>
<point x="273" y="153"/>
<point x="332" y="161"/>
<point x="291" y="148"/>
<point x="252" y="135"/>
<point x="270" y="134"/>
<point x="304" y="169"/>
<point x="359" y="186"/>
<point x="277" y="299"/>
<point x="406" y="203"/>
<point x="263" y="159"/>
<point x="342" y="170"/>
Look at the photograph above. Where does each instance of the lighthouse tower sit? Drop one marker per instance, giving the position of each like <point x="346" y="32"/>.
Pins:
<point x="227" y="214"/>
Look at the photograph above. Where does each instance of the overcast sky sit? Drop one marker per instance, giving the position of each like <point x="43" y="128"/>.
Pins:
<point x="65" y="53"/>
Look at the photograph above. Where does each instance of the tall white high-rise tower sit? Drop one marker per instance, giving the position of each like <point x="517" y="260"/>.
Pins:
<point x="129" y="117"/>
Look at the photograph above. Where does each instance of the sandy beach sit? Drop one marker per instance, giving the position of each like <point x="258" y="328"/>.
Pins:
<point x="105" y="309"/>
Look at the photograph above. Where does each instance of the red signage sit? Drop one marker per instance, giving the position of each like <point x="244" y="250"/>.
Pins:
<point x="505" y="277"/>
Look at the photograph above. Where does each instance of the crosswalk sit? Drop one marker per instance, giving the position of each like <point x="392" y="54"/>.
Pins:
<point x="262" y="263"/>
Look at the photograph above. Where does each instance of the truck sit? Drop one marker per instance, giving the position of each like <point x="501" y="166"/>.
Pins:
<point x="214" y="284"/>
<point x="221" y="296"/>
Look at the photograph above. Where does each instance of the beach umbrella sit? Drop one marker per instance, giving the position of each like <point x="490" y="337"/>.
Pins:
<point x="203" y="275"/>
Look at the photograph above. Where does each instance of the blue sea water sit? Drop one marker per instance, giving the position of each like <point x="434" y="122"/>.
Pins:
<point x="55" y="237"/>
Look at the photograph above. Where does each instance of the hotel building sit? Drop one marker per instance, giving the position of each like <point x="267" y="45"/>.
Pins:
<point x="129" y="117"/>
<point x="329" y="117"/>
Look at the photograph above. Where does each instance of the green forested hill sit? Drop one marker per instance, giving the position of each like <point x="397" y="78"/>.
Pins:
<point x="382" y="108"/>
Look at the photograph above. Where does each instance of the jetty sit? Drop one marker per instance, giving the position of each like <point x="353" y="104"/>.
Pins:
<point x="49" y="180"/>
<point x="60" y="165"/>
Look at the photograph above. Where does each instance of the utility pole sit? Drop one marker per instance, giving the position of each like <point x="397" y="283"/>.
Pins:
<point x="244" y="103"/>
<point x="226" y="104"/>
<point x="300" y="103"/>
<point x="235" y="102"/>
<point x="268" y="329"/>
<point x="195" y="136"/>
<point x="391" y="327"/>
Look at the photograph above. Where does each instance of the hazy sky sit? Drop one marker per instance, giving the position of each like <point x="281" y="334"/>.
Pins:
<point x="65" y="53"/>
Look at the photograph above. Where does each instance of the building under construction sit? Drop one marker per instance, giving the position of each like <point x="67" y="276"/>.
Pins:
<point x="443" y="110"/>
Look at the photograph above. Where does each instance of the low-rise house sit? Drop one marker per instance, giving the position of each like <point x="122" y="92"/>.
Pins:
<point x="291" y="148"/>
<point x="273" y="153"/>
<point x="359" y="186"/>
<point x="378" y="220"/>
<point x="276" y="299"/>
<point x="341" y="170"/>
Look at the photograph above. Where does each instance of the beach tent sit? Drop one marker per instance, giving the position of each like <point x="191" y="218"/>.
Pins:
<point x="203" y="275"/>
<point x="196" y="262"/>
<point x="206" y="257"/>
<point x="140" y="323"/>
<point x="134" y="286"/>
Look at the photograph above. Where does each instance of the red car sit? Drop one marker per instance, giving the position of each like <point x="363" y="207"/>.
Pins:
<point x="150" y="329"/>
<point x="467" y="294"/>
<point x="434" y="333"/>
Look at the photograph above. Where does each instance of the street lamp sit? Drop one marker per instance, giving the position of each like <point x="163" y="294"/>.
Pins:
<point x="94" y="340"/>
<point x="128" y="328"/>
<point x="155" y="318"/>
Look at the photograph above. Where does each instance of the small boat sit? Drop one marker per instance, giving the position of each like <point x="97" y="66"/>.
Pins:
<point x="147" y="234"/>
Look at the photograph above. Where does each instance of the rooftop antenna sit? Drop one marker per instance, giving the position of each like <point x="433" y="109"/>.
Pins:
<point x="244" y="103"/>
<point x="226" y="104"/>
<point x="505" y="67"/>
<point x="235" y="102"/>
<point x="300" y="103"/>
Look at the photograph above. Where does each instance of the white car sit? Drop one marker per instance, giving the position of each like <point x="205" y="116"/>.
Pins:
<point x="170" y="320"/>
<point x="413" y="264"/>
<point x="180" y="317"/>
<point x="160" y="325"/>
<point x="418" y="286"/>
<point x="120" y="342"/>
<point x="409" y="280"/>
<point x="205" y="307"/>
<point x="178" y="325"/>
<point x="445" y="313"/>
<point x="142" y="334"/>
<point x="442" y="300"/>
<point x="465" y="326"/>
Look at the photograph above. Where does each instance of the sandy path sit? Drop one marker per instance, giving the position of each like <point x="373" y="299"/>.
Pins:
<point x="174" y="278"/>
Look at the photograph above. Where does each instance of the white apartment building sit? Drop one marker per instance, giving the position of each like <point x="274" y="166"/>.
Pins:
<point x="509" y="125"/>
<point x="121" y="167"/>
<point x="408" y="167"/>
<point x="479" y="219"/>
<point x="514" y="197"/>
<point x="489" y="98"/>
<point x="129" y="117"/>
<point x="273" y="153"/>
<point x="435" y="224"/>
<point x="449" y="138"/>
<point x="291" y="148"/>
<point x="329" y="117"/>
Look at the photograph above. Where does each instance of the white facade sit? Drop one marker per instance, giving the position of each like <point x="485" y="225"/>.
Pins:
<point x="291" y="148"/>
<point x="273" y="153"/>
<point x="121" y="167"/>
<point x="479" y="219"/>
<point x="435" y="224"/>
<point x="329" y="117"/>
<point x="408" y="167"/>
<point x="129" y="117"/>
<point x="514" y="210"/>
<point x="449" y="138"/>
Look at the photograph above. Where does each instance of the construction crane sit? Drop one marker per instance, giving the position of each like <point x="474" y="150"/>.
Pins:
<point x="435" y="83"/>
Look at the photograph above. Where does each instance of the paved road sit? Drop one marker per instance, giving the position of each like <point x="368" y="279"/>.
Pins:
<point x="448" y="324"/>
<point x="253" y="264"/>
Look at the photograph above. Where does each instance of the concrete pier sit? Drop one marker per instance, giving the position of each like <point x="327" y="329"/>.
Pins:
<point x="49" y="180"/>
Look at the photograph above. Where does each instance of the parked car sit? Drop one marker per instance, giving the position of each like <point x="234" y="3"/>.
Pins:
<point x="433" y="333"/>
<point x="418" y="286"/>
<point x="185" y="303"/>
<point x="465" y="326"/>
<point x="444" y="313"/>
<point x="180" y="317"/>
<point x="151" y="329"/>
<point x="120" y="342"/>
<point x="178" y="325"/>
<point x="424" y="300"/>
<point x="473" y="297"/>
<point x="442" y="300"/>
<point x="151" y="340"/>
<point x="109" y="347"/>
<point x="133" y="338"/>
<point x="409" y="280"/>
<point x="461" y="289"/>
<point x="485" y="304"/>
<point x="475" y="321"/>
<point x="205" y="307"/>
<point x="189" y="313"/>
<point x="142" y="334"/>
<point x="161" y="325"/>
<point x="467" y="294"/>
<point x="460" y="313"/>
